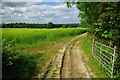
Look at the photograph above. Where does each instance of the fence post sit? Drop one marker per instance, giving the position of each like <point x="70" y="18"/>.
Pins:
<point x="113" y="62"/>
<point x="92" y="46"/>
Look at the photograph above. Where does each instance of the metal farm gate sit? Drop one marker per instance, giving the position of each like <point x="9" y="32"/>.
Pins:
<point x="105" y="55"/>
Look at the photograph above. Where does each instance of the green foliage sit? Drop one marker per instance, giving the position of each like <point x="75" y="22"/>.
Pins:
<point x="117" y="68"/>
<point x="24" y="65"/>
<point x="91" y="30"/>
<point x="109" y="16"/>
<point x="103" y="19"/>
<point x="50" y="25"/>
<point x="17" y="65"/>
<point x="88" y="12"/>
<point x="65" y="26"/>
<point x="29" y="25"/>
<point x="86" y="45"/>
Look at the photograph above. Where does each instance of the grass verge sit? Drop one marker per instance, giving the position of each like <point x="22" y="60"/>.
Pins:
<point x="91" y="62"/>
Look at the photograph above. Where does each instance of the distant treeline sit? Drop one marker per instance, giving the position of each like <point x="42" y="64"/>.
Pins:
<point x="49" y="25"/>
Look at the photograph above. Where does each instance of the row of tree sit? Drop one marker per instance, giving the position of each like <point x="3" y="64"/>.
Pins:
<point x="49" y="25"/>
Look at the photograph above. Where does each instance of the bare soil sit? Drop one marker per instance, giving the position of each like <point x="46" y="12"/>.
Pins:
<point x="69" y="62"/>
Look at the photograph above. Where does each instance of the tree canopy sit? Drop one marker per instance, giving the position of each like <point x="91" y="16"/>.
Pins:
<point x="102" y="17"/>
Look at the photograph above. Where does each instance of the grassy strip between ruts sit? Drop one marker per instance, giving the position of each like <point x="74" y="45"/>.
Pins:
<point x="91" y="62"/>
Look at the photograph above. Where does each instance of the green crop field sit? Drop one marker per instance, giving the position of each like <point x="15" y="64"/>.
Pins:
<point x="28" y="50"/>
<point x="26" y="37"/>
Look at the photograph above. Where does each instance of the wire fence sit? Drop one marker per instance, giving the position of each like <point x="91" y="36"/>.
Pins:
<point x="105" y="55"/>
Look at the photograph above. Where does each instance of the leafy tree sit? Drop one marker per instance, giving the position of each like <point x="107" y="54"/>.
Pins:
<point x="64" y="26"/>
<point x="101" y="17"/>
<point x="50" y="25"/>
<point x="108" y="22"/>
<point x="104" y="19"/>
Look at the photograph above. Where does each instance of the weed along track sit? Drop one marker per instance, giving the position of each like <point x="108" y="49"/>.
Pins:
<point x="68" y="63"/>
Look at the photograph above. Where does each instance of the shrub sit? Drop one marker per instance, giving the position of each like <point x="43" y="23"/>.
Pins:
<point x="17" y="65"/>
<point x="117" y="68"/>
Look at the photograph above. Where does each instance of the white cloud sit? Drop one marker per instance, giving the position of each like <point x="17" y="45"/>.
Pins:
<point x="21" y="0"/>
<point x="60" y="0"/>
<point x="42" y="13"/>
<point x="33" y="0"/>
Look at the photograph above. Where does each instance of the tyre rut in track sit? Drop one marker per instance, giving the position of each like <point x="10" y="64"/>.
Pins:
<point x="69" y="63"/>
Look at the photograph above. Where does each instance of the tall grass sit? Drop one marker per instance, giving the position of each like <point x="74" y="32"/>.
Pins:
<point x="25" y="64"/>
<point x="33" y="36"/>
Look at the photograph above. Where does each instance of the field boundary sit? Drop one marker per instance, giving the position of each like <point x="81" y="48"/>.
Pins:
<point x="105" y="55"/>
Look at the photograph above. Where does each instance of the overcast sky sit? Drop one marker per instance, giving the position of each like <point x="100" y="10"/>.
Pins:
<point x="38" y="12"/>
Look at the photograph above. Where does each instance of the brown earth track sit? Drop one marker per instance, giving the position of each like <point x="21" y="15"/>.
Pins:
<point x="69" y="62"/>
